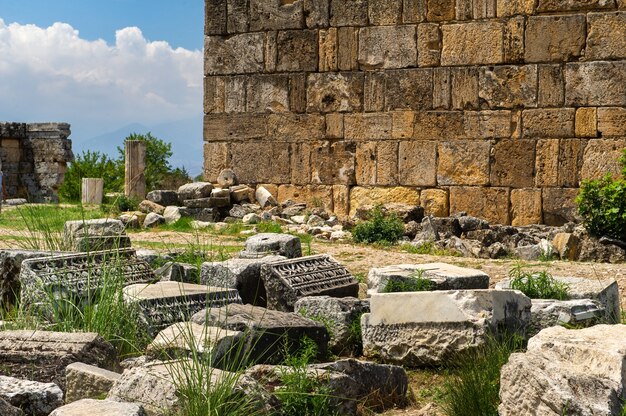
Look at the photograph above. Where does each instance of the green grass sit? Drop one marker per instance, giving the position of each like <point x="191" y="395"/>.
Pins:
<point x="537" y="285"/>
<point x="269" y="227"/>
<point x="428" y="248"/>
<point x="45" y="217"/>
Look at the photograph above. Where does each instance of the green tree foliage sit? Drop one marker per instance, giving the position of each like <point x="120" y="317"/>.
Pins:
<point x="602" y="204"/>
<point x="89" y="165"/>
<point x="158" y="153"/>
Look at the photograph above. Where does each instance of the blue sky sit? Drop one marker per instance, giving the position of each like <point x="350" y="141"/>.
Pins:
<point x="107" y="67"/>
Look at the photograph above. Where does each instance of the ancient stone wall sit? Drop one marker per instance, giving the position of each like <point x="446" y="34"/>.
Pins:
<point x="495" y="107"/>
<point x="34" y="159"/>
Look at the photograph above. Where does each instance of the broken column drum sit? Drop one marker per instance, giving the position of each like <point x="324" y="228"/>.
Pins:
<point x="289" y="280"/>
<point x="135" y="163"/>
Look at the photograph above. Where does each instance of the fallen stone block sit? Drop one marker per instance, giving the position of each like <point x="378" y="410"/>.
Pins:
<point x="241" y="193"/>
<point x="178" y="272"/>
<point x="33" y="397"/>
<point x="6" y="409"/>
<point x="153" y="220"/>
<point x="289" y="280"/>
<point x="163" y="197"/>
<point x="96" y="235"/>
<point x="264" y="197"/>
<point x="268" y="331"/>
<point x="147" y="207"/>
<point x="548" y="312"/>
<point x="566" y="371"/>
<point x="78" y="276"/>
<point x="604" y="291"/>
<point x="43" y="355"/>
<point x="241" y="274"/>
<point x="91" y="407"/>
<point x="84" y="381"/>
<point x="341" y="315"/>
<point x="194" y="190"/>
<point x="433" y="328"/>
<point x="183" y="339"/>
<point x="165" y="303"/>
<point x="212" y="202"/>
<point x="566" y="245"/>
<point x="443" y="277"/>
<point x="264" y="244"/>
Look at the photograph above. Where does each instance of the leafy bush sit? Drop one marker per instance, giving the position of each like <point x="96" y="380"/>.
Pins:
<point x="537" y="285"/>
<point x="379" y="228"/>
<point x="414" y="283"/>
<point x="602" y="204"/>
<point x="89" y="165"/>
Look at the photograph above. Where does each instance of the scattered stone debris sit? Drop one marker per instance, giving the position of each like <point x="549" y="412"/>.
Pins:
<point x="33" y="397"/>
<point x="85" y="381"/>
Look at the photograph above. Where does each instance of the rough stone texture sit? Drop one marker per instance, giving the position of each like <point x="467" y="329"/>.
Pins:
<point x="443" y="276"/>
<point x="387" y="47"/>
<point x="6" y="409"/>
<point x="607" y="36"/>
<point x="34" y="158"/>
<point x="463" y="163"/>
<point x="559" y="206"/>
<point x="432" y="328"/>
<point x="34" y="398"/>
<point x="548" y="312"/>
<point x="554" y="38"/>
<point x="341" y="315"/>
<point x="595" y="83"/>
<point x="266" y="330"/>
<point x="360" y="196"/>
<point x="43" y="356"/>
<point x="194" y="190"/>
<point x="93" y="407"/>
<point x="163" y="197"/>
<point x="84" y="381"/>
<point x="472" y="43"/>
<point x="261" y="245"/>
<point x="491" y="204"/>
<point x="289" y="280"/>
<point x="435" y="202"/>
<point x="95" y="235"/>
<point x="241" y="274"/>
<point x="566" y="371"/>
<point x="601" y="157"/>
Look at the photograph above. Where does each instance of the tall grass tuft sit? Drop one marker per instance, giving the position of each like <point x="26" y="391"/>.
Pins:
<point x="475" y="386"/>
<point x="537" y="285"/>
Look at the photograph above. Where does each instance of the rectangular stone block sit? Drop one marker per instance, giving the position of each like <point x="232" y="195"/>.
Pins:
<point x="551" y="86"/>
<point x="601" y="157"/>
<point x="442" y="95"/>
<point x="237" y="16"/>
<point x="491" y="204"/>
<point x="214" y="95"/>
<point x="547" y="162"/>
<point x="328" y="50"/>
<point x="215" y="158"/>
<point x="413" y="11"/>
<point x="435" y="202"/>
<point x="316" y="13"/>
<point x="408" y="89"/>
<point x="559" y="206"/>
<point x="289" y="280"/>
<point x="570" y="161"/>
<point x="506" y="8"/>
<point x="335" y="92"/>
<point x="365" y="164"/>
<point x="612" y="121"/>
<point x="402" y="124"/>
<point x="595" y="84"/>
<point x="334" y="126"/>
<point x="473" y="43"/>
<point x="464" y="87"/>
<point x="271" y="53"/>
<point x="348" y="48"/>
<point x="464" y="9"/>
<point x="514" y="40"/>
<point x="214" y="17"/>
<point x="489" y="124"/>
<point x="367" y="126"/>
<point x="513" y="163"/>
<point x="526" y="207"/>
<point x="387" y="47"/>
<point x="341" y="201"/>
<point x="297" y="93"/>
<point x="239" y="54"/>
<point x="417" y="163"/>
<point x="235" y="94"/>
<point x="607" y="36"/>
<point x="484" y="9"/>
<point x="432" y="125"/>
<point x="555" y="38"/>
<point x="463" y="162"/>
<point x="84" y="381"/>
<point x="371" y="196"/>
<point x="290" y="127"/>
<point x="275" y="15"/>
<point x="267" y="93"/>
<point x="558" y="122"/>
<point x="221" y="127"/>
<point x="440" y="10"/>
<point x="428" y="45"/>
<point x="300" y="163"/>
<point x="297" y="50"/>
<point x="250" y="161"/>
<point x="385" y="12"/>
<point x="509" y="86"/>
<point x="348" y="13"/>
<point x="78" y="275"/>
<point x="333" y="163"/>
<point x="165" y="303"/>
<point x="586" y="122"/>
<point x="572" y="5"/>
<point x="374" y="91"/>
<point x="387" y="163"/>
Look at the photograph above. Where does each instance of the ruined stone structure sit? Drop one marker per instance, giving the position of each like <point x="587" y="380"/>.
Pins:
<point x="495" y="107"/>
<point x="34" y="158"/>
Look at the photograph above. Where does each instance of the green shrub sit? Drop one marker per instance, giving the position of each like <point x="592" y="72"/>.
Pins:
<point x="537" y="285"/>
<point x="602" y="204"/>
<point x="379" y="228"/>
<point x="414" y="283"/>
<point x="474" y="389"/>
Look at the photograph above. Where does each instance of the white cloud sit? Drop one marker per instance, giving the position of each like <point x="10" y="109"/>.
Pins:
<point x="52" y="74"/>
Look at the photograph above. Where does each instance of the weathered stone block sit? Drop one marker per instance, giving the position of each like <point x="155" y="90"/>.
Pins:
<point x="367" y="126"/>
<point x="387" y="163"/>
<point x="514" y="39"/>
<point x="548" y="122"/>
<point x="601" y="157"/>
<point x="33" y="397"/>
<point x="341" y="201"/>
<point x="85" y="381"/>
<point x="595" y="84"/>
<point x="433" y="328"/>
<point x="313" y="195"/>
<point x="509" y="86"/>
<point x="267" y="93"/>
<point x="464" y="88"/>
<point x="579" y="312"/>
<point x="414" y="11"/>
<point x="513" y="163"/>
<point x="433" y="125"/>
<point x="276" y="15"/>
<point x="297" y="50"/>
<point x="215" y="159"/>
<point x="435" y="202"/>
<point x="352" y="13"/>
<point x="463" y="162"/>
<point x="571" y="5"/>
<point x="567" y="246"/>
<point x="559" y="206"/>
<point x="264" y="244"/>
<point x="347" y="47"/>
<point x="570" y="161"/>
<point x="586" y="122"/>
<point x="333" y="163"/>
<point x="489" y="124"/>
<point x="328" y="50"/>
<point x="360" y="196"/>
<point x="612" y="121"/>
<point x="547" y="162"/>
<point x="402" y="124"/>
<point x="239" y="54"/>
<point x="374" y="88"/>
<point x="99" y="408"/>
<point x="221" y="127"/>
<point x="385" y="12"/>
<point x="526" y="208"/>
<point x="387" y="47"/>
<point x="289" y="280"/>
<point x="215" y="17"/>
<point x="551" y="87"/>
<point x="607" y="36"/>
<point x="289" y="127"/>
<point x="250" y="159"/>
<point x="440" y="10"/>
<point x="429" y="43"/>
<point x="491" y="204"/>
<point x="473" y="43"/>
<point x="335" y="92"/>
<point x="506" y="8"/>
<point x="408" y="89"/>
<point x="417" y="163"/>
<point x="316" y="13"/>
<point x="555" y="38"/>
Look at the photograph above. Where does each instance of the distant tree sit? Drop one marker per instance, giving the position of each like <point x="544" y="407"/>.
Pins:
<point x="158" y="153"/>
<point x="89" y="165"/>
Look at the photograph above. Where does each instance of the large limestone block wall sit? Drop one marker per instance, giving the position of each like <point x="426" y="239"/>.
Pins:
<point x="34" y="159"/>
<point x="495" y="107"/>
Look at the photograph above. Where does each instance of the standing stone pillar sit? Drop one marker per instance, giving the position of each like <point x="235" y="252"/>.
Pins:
<point x="92" y="191"/>
<point x="135" y="179"/>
